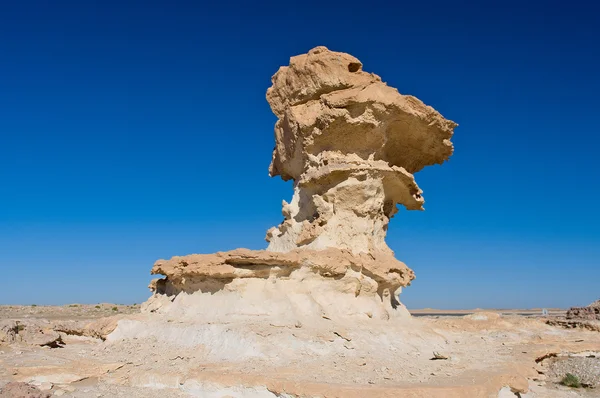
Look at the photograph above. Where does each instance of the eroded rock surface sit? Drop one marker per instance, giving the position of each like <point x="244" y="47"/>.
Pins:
<point x="28" y="332"/>
<point x="294" y="286"/>
<point x="299" y="284"/>
<point x="580" y="318"/>
<point x="350" y="143"/>
<point x="589" y="313"/>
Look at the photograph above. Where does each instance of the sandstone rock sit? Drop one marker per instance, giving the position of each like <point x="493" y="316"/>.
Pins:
<point x="244" y="263"/>
<point x="100" y="328"/>
<point x="351" y="144"/>
<point x="289" y="295"/>
<point x="48" y="338"/>
<point x="580" y="318"/>
<point x="29" y="332"/>
<point x="589" y="313"/>
<point x="9" y="331"/>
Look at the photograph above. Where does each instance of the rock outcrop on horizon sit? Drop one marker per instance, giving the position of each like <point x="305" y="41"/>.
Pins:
<point x="589" y="313"/>
<point x="351" y="145"/>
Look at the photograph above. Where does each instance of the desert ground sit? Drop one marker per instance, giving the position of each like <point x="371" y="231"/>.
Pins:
<point x="64" y="351"/>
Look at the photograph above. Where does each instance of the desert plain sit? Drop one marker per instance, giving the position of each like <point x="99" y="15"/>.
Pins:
<point x="486" y="353"/>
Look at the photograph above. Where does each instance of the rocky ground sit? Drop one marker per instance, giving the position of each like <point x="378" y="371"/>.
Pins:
<point x="476" y="351"/>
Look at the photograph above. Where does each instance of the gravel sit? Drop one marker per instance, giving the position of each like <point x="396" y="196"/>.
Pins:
<point x="587" y="369"/>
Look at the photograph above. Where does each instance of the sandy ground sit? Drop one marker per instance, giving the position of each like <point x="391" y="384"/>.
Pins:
<point x="486" y="354"/>
<point x="533" y="312"/>
<point x="66" y="312"/>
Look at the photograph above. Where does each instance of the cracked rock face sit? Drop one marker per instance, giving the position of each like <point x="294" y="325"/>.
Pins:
<point x="351" y="145"/>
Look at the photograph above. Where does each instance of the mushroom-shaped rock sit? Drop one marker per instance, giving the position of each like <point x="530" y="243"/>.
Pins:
<point x="351" y="144"/>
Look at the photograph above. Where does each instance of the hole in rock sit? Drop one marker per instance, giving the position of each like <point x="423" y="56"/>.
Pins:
<point x="354" y="67"/>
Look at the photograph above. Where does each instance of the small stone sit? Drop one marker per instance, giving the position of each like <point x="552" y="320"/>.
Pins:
<point x="437" y="355"/>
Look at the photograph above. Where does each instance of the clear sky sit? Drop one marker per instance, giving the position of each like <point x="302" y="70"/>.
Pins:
<point x="137" y="130"/>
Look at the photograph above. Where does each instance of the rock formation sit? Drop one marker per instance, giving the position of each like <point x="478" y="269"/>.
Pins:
<point x="350" y="143"/>
<point x="589" y="313"/>
<point x="580" y="317"/>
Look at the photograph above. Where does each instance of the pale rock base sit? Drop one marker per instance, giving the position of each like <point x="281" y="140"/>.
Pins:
<point x="303" y="296"/>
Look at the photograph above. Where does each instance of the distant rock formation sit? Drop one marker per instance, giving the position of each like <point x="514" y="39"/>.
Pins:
<point x="350" y="143"/>
<point x="589" y="313"/>
<point x="580" y="317"/>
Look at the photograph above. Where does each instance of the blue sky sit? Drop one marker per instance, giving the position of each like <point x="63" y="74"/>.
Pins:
<point x="132" y="131"/>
